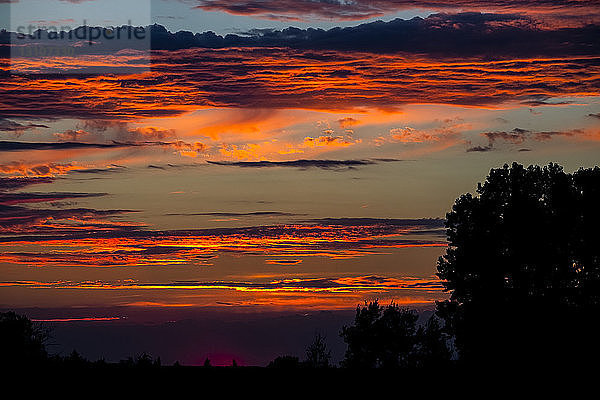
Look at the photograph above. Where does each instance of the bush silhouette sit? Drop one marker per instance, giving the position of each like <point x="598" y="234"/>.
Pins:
<point x="523" y="266"/>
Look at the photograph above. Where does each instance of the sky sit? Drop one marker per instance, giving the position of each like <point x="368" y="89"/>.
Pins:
<point x="269" y="156"/>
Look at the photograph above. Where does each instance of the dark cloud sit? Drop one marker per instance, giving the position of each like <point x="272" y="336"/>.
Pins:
<point x="20" y="198"/>
<point x="422" y="222"/>
<point x="16" y="127"/>
<point x="302" y="164"/>
<point x="479" y="149"/>
<point x="113" y="168"/>
<point x="537" y="102"/>
<point x="448" y="35"/>
<point x="21" y="182"/>
<point x="24" y="146"/>
<point x="451" y="35"/>
<point x="233" y="214"/>
<point x="519" y="136"/>
<point x="515" y="136"/>
<point x="298" y="10"/>
<point x="386" y="160"/>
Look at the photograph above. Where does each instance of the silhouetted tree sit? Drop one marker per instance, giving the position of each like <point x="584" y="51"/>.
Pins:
<point x="380" y="337"/>
<point x="523" y="266"/>
<point x="207" y="362"/>
<point x="317" y="354"/>
<point x="431" y="350"/>
<point x="75" y="360"/>
<point x="21" y="341"/>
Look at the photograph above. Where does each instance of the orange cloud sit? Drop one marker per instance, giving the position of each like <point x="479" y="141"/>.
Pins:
<point x="188" y="149"/>
<point x="18" y="168"/>
<point x="329" y="141"/>
<point x="285" y="78"/>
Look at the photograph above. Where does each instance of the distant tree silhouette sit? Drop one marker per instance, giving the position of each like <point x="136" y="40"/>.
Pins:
<point x="75" y="360"/>
<point x="207" y="362"/>
<point x="381" y="337"/>
<point x="285" y="362"/>
<point x="523" y="267"/>
<point x="317" y="354"/>
<point x="141" y="361"/>
<point x="21" y="341"/>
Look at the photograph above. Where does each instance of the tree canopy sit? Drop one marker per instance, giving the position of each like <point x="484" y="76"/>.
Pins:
<point x="21" y="341"/>
<point x="389" y="337"/>
<point x="523" y="264"/>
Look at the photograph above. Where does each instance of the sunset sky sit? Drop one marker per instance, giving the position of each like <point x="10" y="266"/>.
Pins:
<point x="281" y="155"/>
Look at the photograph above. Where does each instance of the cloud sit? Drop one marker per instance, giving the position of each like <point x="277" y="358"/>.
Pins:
<point x="71" y="135"/>
<point x="109" y="242"/>
<point x="419" y="141"/>
<point x="283" y="262"/>
<point x="597" y="115"/>
<point x="23" y="169"/>
<point x="21" y="182"/>
<point x="519" y="136"/>
<point x="480" y="149"/>
<point x="430" y="223"/>
<point x="189" y="149"/>
<point x="302" y="164"/>
<point x="442" y="35"/>
<point x="152" y="133"/>
<point x="16" y="127"/>
<point x="343" y="10"/>
<point x="22" y="198"/>
<point x="321" y="284"/>
<point x="484" y="73"/>
<point x="347" y="122"/>
<point x="183" y="148"/>
<point x="329" y="141"/>
<point x="411" y="135"/>
<point x="234" y="214"/>
<point x="47" y="170"/>
<point x="24" y="146"/>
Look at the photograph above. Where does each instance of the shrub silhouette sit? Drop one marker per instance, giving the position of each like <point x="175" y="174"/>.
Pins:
<point x="523" y="266"/>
